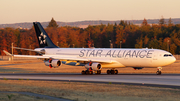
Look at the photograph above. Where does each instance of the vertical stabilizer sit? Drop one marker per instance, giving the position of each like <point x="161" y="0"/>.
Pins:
<point x="42" y="36"/>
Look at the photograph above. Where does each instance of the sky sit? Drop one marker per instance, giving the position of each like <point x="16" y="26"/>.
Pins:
<point x="16" y="11"/>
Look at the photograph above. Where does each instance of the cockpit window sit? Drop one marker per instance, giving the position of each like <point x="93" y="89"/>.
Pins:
<point x="166" y="55"/>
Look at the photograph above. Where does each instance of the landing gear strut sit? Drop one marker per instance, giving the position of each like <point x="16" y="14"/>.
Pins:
<point x="89" y="71"/>
<point x="159" y="70"/>
<point x="112" y="71"/>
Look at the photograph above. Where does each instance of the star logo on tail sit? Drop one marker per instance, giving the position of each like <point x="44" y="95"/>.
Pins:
<point x="42" y="38"/>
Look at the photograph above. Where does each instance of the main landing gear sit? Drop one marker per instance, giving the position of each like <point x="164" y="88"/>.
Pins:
<point x="112" y="71"/>
<point x="159" y="70"/>
<point x="87" y="72"/>
<point x="90" y="72"/>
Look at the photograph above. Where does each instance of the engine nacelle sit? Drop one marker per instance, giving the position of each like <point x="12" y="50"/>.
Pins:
<point x="52" y="63"/>
<point x="93" y="66"/>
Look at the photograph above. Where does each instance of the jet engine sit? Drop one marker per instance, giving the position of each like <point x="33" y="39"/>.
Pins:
<point x="52" y="63"/>
<point x="93" y="66"/>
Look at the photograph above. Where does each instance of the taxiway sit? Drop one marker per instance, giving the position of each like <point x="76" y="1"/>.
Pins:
<point x="164" y="80"/>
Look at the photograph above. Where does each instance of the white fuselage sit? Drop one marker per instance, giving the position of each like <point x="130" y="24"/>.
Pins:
<point x="119" y="57"/>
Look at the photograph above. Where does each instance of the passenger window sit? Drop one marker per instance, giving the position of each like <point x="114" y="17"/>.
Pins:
<point x="166" y="55"/>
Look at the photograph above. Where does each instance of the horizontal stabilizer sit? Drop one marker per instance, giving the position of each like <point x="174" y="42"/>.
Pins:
<point x="33" y="56"/>
<point x="23" y="49"/>
<point x="7" y="53"/>
<point x="40" y="52"/>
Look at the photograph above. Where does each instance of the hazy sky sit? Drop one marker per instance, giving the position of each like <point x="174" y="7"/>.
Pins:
<point x="15" y="11"/>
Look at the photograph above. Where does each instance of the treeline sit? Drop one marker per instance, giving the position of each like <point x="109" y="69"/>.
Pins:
<point x="164" y="36"/>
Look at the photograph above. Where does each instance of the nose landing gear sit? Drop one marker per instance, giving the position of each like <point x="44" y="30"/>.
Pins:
<point x="159" y="70"/>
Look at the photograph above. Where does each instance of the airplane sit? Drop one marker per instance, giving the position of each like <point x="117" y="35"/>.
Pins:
<point x="95" y="59"/>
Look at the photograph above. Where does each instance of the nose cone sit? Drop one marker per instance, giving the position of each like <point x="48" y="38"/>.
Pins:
<point x="173" y="59"/>
<point x="168" y="60"/>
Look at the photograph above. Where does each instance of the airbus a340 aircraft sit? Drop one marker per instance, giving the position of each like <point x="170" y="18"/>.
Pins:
<point x="95" y="59"/>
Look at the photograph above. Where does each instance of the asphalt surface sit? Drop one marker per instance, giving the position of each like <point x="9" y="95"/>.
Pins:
<point x="164" y="80"/>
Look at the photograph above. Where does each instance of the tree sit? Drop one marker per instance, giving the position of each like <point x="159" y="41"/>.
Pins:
<point x="161" y="21"/>
<point x="154" y="44"/>
<point x="170" y="23"/>
<point x="173" y="48"/>
<point x="139" y="43"/>
<point x="52" y="23"/>
<point x="144" y="23"/>
<point x="120" y="35"/>
<point x="123" y="23"/>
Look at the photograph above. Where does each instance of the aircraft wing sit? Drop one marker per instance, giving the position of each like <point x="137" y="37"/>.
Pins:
<point x="67" y="58"/>
<point x="84" y="59"/>
<point x="63" y="58"/>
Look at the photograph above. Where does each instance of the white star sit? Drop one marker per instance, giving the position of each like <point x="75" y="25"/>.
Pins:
<point x="41" y="42"/>
<point x="44" y="41"/>
<point x="41" y="33"/>
<point x="44" y="36"/>
<point x="39" y="37"/>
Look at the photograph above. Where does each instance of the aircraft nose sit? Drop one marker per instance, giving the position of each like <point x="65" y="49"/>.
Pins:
<point x="173" y="59"/>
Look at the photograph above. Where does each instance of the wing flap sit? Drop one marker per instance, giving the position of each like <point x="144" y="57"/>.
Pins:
<point x="84" y="59"/>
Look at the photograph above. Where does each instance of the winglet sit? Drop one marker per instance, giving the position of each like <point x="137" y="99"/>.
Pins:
<point x="7" y="53"/>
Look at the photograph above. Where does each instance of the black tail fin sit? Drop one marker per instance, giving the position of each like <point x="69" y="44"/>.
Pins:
<point x="42" y="36"/>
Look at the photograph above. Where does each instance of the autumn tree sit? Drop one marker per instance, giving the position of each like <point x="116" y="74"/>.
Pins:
<point x="139" y="43"/>
<point x="120" y="34"/>
<point x="129" y="35"/>
<point x="144" y="23"/>
<point x="170" y="23"/>
<point x="123" y="23"/>
<point x="52" y="23"/>
<point x="161" y="21"/>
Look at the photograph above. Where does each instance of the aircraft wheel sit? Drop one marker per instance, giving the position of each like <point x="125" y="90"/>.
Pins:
<point x="116" y="72"/>
<point x="158" y="72"/>
<point x="98" y="72"/>
<point x="112" y="71"/>
<point x="87" y="73"/>
<point x="83" y="72"/>
<point x="108" y="71"/>
<point x="91" y="72"/>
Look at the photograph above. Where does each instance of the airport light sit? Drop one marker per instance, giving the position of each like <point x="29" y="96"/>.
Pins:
<point x="111" y="45"/>
<point x="120" y="43"/>
<point x="168" y="45"/>
<point x="12" y="52"/>
<point x="58" y="44"/>
<point x="29" y="48"/>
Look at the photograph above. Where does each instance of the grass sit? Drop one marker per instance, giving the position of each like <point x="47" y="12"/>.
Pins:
<point x="91" y="91"/>
<point x="19" y="97"/>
